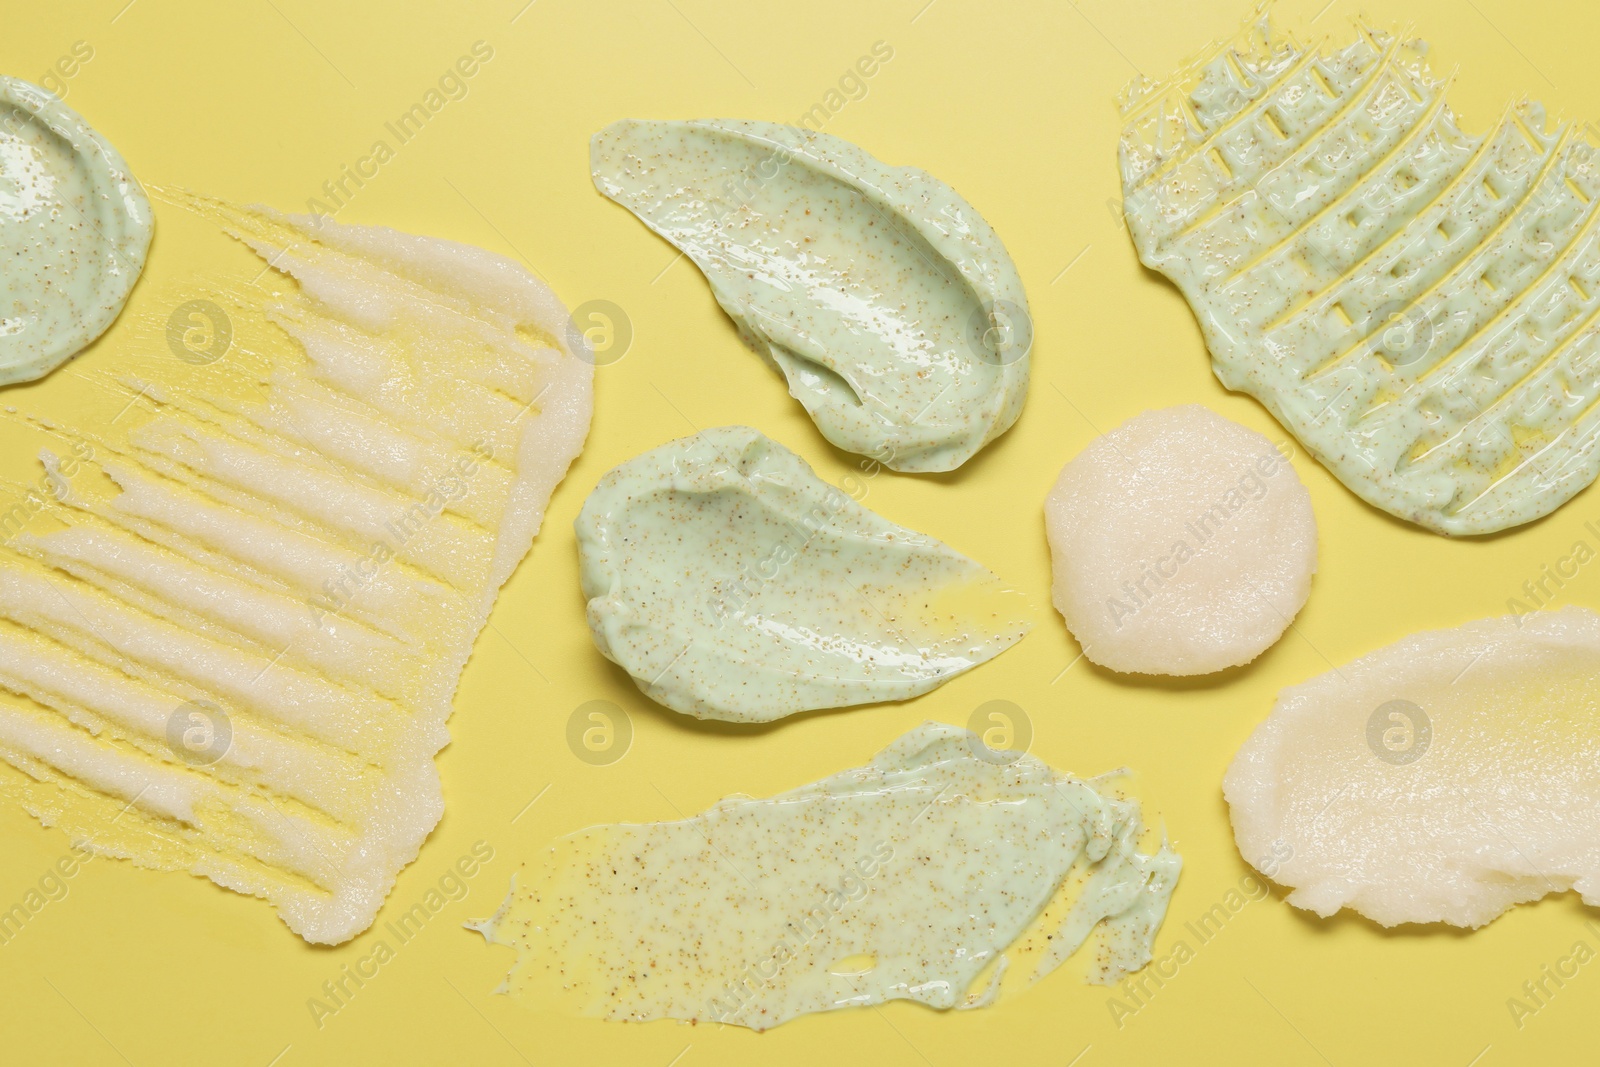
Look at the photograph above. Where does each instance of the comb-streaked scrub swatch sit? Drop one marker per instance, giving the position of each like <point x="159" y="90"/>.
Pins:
<point x="1442" y="779"/>
<point x="1416" y="303"/>
<point x="230" y="636"/>
<point x="921" y="876"/>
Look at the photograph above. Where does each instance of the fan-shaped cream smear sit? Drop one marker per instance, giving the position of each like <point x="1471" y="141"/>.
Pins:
<point x="888" y="303"/>
<point x="1443" y="778"/>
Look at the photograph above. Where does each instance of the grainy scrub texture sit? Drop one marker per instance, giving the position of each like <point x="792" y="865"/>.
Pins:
<point x="1444" y="778"/>
<point x="915" y="877"/>
<point x="74" y="230"/>
<point x="735" y="584"/>
<point x="1182" y="543"/>
<point x="236" y="641"/>
<point x="1416" y="303"/>
<point x="884" y="298"/>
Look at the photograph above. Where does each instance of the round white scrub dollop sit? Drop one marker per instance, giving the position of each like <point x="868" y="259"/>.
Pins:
<point x="1182" y="543"/>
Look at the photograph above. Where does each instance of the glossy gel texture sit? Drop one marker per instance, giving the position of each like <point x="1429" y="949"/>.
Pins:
<point x="733" y="583"/>
<point x="1419" y="305"/>
<point x="883" y="297"/>
<point x="74" y="230"/>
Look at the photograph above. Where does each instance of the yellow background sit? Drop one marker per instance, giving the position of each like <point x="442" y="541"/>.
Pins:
<point x="1011" y="103"/>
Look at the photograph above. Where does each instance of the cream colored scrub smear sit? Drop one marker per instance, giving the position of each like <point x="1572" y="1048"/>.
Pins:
<point x="233" y="615"/>
<point x="733" y="583"/>
<point x="919" y="876"/>
<point x="883" y="297"/>
<point x="1417" y="304"/>
<point x="1443" y="778"/>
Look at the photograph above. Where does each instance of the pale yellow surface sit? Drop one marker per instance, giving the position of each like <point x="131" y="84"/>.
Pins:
<point x="264" y="100"/>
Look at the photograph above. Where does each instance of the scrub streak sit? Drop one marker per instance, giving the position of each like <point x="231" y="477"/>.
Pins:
<point x="883" y="297"/>
<point x="915" y="877"/>
<point x="735" y="584"/>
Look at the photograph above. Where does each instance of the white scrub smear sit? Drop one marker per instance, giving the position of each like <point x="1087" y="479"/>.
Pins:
<point x="1443" y="778"/>
<point x="1181" y="543"/>
<point x="230" y="642"/>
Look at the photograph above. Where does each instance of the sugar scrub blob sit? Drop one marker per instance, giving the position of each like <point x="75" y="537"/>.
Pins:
<point x="1442" y="779"/>
<point x="1181" y="543"/>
